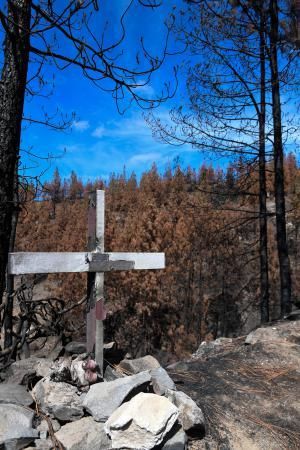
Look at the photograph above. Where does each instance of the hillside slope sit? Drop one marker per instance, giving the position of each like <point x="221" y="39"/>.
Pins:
<point x="249" y="393"/>
<point x="209" y="232"/>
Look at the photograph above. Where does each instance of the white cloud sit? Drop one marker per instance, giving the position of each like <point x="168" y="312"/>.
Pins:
<point x="81" y="125"/>
<point x="133" y="127"/>
<point x="133" y="138"/>
<point x="99" y="132"/>
<point x="144" y="158"/>
<point x="145" y="90"/>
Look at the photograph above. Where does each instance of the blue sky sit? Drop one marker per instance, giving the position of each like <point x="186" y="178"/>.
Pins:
<point x="102" y="141"/>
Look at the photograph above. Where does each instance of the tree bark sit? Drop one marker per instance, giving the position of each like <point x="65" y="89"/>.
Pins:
<point x="281" y="237"/>
<point x="8" y="311"/>
<point x="12" y="93"/>
<point x="263" y="224"/>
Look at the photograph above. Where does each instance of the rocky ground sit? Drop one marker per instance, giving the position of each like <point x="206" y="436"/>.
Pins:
<point x="232" y="394"/>
<point x="248" y="389"/>
<point x="60" y="402"/>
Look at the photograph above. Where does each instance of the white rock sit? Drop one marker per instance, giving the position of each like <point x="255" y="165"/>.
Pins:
<point x="60" y="400"/>
<point x="84" y="434"/>
<point x="142" y="423"/>
<point x="104" y="398"/>
<point x="190" y="415"/>
<point x="78" y="372"/>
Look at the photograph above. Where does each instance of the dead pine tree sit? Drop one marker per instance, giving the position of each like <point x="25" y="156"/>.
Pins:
<point x="231" y="95"/>
<point x="278" y="152"/>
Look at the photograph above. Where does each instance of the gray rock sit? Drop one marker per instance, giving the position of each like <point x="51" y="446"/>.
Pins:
<point x="43" y="444"/>
<point x="26" y="370"/>
<point x="16" y="430"/>
<point x="75" y="348"/>
<point x="104" y="398"/>
<point x="44" y="426"/>
<point x="265" y="334"/>
<point x="84" y="434"/>
<point x="60" y="400"/>
<point x="111" y="374"/>
<point x="142" y="423"/>
<point x="282" y="332"/>
<point x="177" y="441"/>
<point x="43" y="434"/>
<point x="190" y="415"/>
<point x="206" y="347"/>
<point x="133" y="366"/>
<point x="16" y="394"/>
<point x="161" y="381"/>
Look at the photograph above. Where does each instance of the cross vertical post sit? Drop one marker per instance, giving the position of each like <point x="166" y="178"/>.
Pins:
<point x="99" y="282"/>
<point x="95" y="262"/>
<point x="95" y="306"/>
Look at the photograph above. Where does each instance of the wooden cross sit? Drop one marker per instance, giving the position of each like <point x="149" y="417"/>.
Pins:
<point x="95" y="261"/>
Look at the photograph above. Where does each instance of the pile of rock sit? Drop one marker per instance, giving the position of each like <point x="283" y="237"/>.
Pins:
<point x="47" y="404"/>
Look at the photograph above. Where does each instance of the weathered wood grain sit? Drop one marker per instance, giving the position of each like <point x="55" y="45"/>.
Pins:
<point x="100" y="263"/>
<point x="57" y="262"/>
<point x="90" y="306"/>
<point x="99" y="278"/>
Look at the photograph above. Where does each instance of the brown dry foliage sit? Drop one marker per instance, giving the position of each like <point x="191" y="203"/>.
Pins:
<point x="211" y="280"/>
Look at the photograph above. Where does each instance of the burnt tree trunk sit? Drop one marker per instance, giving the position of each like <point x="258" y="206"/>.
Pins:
<point x="281" y="237"/>
<point x="12" y="93"/>
<point x="263" y="225"/>
<point x="8" y="310"/>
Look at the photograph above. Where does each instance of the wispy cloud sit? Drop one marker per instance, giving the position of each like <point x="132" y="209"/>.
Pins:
<point x="134" y="137"/>
<point x="144" y="158"/>
<point x="99" y="132"/>
<point x="124" y="141"/>
<point x="145" y="90"/>
<point x="133" y="127"/>
<point x="81" y="125"/>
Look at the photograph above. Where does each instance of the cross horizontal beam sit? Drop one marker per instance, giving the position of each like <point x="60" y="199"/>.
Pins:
<point x="56" y="262"/>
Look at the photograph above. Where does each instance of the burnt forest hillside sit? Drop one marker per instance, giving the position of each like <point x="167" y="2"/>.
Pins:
<point x="205" y="221"/>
